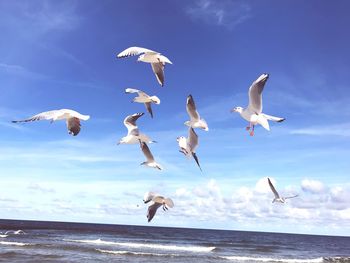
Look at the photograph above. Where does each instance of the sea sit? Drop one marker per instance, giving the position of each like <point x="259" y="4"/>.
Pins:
<point x="40" y="241"/>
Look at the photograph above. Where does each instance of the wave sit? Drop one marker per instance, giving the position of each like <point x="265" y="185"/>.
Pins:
<point x="257" y="259"/>
<point x="132" y="253"/>
<point x="14" y="243"/>
<point x="3" y="236"/>
<point x="151" y="246"/>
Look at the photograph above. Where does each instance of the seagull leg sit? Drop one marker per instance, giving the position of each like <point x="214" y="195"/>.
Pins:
<point x="252" y="132"/>
<point x="248" y="127"/>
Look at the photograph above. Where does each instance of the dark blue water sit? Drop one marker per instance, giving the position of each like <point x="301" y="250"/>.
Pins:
<point x="75" y="242"/>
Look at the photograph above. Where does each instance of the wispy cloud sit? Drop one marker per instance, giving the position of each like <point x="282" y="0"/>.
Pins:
<point x="341" y="129"/>
<point x="227" y="13"/>
<point x="19" y="70"/>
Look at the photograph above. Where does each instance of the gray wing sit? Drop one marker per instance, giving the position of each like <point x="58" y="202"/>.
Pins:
<point x="273" y="189"/>
<point x="47" y="115"/>
<point x="134" y="51"/>
<point x="158" y="69"/>
<point x="149" y="108"/>
<point x="130" y="121"/>
<point x="192" y="139"/>
<point x="152" y="209"/>
<point x="191" y="108"/>
<point x="146" y="151"/>
<point x="196" y="159"/>
<point x="139" y="92"/>
<point x="289" y="197"/>
<point x="73" y="125"/>
<point x="255" y="93"/>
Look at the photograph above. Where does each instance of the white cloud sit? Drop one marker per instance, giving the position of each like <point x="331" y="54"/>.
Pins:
<point x="312" y="186"/>
<point x="228" y="13"/>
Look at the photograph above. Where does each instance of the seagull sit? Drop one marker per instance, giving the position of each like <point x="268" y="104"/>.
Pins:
<point x="195" y="120"/>
<point x="158" y="201"/>
<point x="72" y="119"/>
<point x="189" y="145"/>
<point x="149" y="56"/>
<point x="150" y="162"/>
<point x="253" y="113"/>
<point x="278" y="198"/>
<point x="134" y="134"/>
<point x="144" y="98"/>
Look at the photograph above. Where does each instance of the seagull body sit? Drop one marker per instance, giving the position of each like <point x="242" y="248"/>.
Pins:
<point x="150" y="162"/>
<point x="157" y="201"/>
<point x="278" y="198"/>
<point x="195" y="120"/>
<point x="156" y="60"/>
<point x="134" y="135"/>
<point x="253" y="113"/>
<point x="188" y="145"/>
<point x="72" y="119"/>
<point x="144" y="98"/>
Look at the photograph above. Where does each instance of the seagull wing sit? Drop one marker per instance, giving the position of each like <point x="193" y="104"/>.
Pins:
<point x="169" y="202"/>
<point x="273" y="118"/>
<point x="289" y="197"/>
<point x="140" y="92"/>
<point x="148" y="197"/>
<point x="146" y="151"/>
<point x="197" y="161"/>
<point x="149" y="108"/>
<point x="73" y="126"/>
<point x="152" y="209"/>
<point x="47" y="115"/>
<point x="192" y="139"/>
<point x="255" y="93"/>
<point x="158" y="69"/>
<point x="130" y="121"/>
<point x="134" y="51"/>
<point x="191" y="108"/>
<point x="273" y="189"/>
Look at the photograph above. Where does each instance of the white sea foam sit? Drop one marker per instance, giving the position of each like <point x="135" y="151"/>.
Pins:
<point x="150" y="246"/>
<point x="124" y="252"/>
<point x="13" y="243"/>
<point x="3" y="236"/>
<point x="257" y="259"/>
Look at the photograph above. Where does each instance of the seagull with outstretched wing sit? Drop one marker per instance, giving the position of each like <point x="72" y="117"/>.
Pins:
<point x="156" y="59"/>
<point x="157" y="201"/>
<point x="188" y="145"/>
<point x="150" y="162"/>
<point x="144" y="98"/>
<point x="195" y="120"/>
<point x="72" y="119"/>
<point x="253" y="113"/>
<point x="278" y="198"/>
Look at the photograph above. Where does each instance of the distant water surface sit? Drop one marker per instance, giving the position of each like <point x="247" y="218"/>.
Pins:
<point x="75" y="242"/>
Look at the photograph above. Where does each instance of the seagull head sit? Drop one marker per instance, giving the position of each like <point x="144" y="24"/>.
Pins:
<point x="155" y="99"/>
<point x="237" y="109"/>
<point x="180" y="138"/>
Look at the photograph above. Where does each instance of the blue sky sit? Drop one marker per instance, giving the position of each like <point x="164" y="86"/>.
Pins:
<point x="62" y="54"/>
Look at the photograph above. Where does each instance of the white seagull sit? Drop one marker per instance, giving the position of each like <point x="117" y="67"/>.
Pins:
<point x="134" y="135"/>
<point x="144" y="98"/>
<point x="72" y="119"/>
<point x="253" y="113"/>
<point x="188" y="145"/>
<point x="150" y="162"/>
<point x="158" y="201"/>
<point x="195" y="120"/>
<point x="278" y="198"/>
<point x="149" y="56"/>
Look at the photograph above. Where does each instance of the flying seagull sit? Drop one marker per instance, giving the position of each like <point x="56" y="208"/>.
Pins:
<point x="150" y="162"/>
<point x="149" y="56"/>
<point x="158" y="201"/>
<point x="253" y="113"/>
<point x="188" y="145"/>
<point x="134" y="134"/>
<point x="72" y="119"/>
<point x="278" y="198"/>
<point x="144" y="98"/>
<point x="195" y="120"/>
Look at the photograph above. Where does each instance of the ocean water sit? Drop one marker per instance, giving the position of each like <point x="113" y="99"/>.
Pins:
<point x="75" y="242"/>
